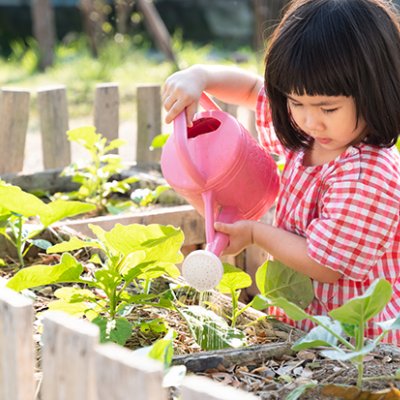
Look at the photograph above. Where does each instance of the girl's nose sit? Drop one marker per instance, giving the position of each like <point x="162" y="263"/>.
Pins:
<point x="312" y="122"/>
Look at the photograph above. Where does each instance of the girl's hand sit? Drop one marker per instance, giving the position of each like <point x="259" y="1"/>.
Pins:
<point x="182" y="91"/>
<point x="240" y="235"/>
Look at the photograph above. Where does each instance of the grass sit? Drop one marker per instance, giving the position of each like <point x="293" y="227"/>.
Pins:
<point x="129" y="61"/>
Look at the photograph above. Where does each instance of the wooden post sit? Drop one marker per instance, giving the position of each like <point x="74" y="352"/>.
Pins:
<point x="14" y="116"/>
<point x="202" y="388"/>
<point x="68" y="358"/>
<point x="17" y="359"/>
<point x="120" y="374"/>
<point x="148" y="123"/>
<point x="106" y="110"/>
<point x="53" y="114"/>
<point x="44" y="30"/>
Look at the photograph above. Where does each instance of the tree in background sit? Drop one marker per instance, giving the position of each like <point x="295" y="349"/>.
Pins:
<point x="44" y="31"/>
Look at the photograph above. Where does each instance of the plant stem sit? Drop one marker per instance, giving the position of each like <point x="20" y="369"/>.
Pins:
<point x="235" y="306"/>
<point x="360" y="359"/>
<point x="19" y="242"/>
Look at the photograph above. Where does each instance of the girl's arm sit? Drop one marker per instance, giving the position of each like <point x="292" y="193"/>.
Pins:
<point x="232" y="85"/>
<point x="287" y="247"/>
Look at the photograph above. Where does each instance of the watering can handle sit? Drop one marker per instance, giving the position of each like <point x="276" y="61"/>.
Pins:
<point x="180" y="129"/>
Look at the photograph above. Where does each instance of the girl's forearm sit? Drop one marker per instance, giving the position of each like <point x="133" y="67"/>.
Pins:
<point x="291" y="250"/>
<point x="230" y="84"/>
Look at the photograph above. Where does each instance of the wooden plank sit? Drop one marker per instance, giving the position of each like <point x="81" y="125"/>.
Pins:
<point x="121" y="374"/>
<point x="68" y="358"/>
<point x="53" y="115"/>
<point x="14" y="116"/>
<point x="184" y="217"/>
<point x="148" y="123"/>
<point x="17" y="359"/>
<point x="106" y="110"/>
<point x="202" y="388"/>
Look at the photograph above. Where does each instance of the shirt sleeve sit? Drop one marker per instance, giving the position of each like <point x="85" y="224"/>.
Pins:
<point x="266" y="132"/>
<point x="356" y="225"/>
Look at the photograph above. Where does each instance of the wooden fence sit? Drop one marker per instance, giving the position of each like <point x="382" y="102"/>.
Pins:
<point x="54" y="122"/>
<point x="74" y="366"/>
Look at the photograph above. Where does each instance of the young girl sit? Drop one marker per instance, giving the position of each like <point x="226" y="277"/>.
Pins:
<point x="330" y="106"/>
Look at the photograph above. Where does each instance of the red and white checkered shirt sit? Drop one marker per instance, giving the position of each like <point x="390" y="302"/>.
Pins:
<point x="349" y="212"/>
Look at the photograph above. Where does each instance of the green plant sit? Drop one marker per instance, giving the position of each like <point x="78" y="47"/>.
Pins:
<point x="273" y="280"/>
<point x="232" y="282"/>
<point x="133" y="256"/>
<point x="94" y="176"/>
<point x="17" y="208"/>
<point x="347" y="321"/>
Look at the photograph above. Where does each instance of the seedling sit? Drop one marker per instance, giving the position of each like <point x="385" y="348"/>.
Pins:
<point x="347" y="321"/>
<point x="18" y="207"/>
<point x="94" y="176"/>
<point x="134" y="255"/>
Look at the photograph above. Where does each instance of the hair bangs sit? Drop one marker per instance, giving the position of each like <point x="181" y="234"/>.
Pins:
<point x="319" y="61"/>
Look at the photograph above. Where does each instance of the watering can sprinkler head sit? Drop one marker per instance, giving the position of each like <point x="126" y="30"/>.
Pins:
<point x="202" y="270"/>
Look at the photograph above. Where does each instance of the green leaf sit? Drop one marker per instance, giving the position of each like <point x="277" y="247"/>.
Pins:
<point x="76" y="309"/>
<point x="162" y="350"/>
<point x="131" y="261"/>
<point x="391" y="324"/>
<point x="114" y="144"/>
<point x="233" y="279"/>
<point x="319" y="336"/>
<point x="68" y="270"/>
<point x="360" y="309"/>
<point x="211" y="331"/>
<point x="292" y="310"/>
<point x="159" y="141"/>
<point x="274" y="279"/>
<point x="14" y="199"/>
<point x="161" y="243"/>
<point x="340" y="355"/>
<point x="61" y="209"/>
<point x="73" y="244"/>
<point x="85" y="136"/>
<point x="300" y="390"/>
<point x="74" y="295"/>
<point x="41" y="243"/>
<point x="118" y="330"/>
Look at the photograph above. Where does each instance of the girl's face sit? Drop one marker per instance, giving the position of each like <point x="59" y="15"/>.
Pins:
<point x="330" y="120"/>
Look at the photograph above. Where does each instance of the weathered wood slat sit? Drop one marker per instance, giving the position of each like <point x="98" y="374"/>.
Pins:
<point x="16" y="346"/>
<point x="14" y="116"/>
<point x="127" y="375"/>
<point x="106" y="110"/>
<point x="184" y="217"/>
<point x="53" y="114"/>
<point x="148" y="123"/>
<point x="202" y="388"/>
<point x="68" y="358"/>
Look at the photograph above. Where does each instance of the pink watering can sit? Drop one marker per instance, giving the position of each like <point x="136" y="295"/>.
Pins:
<point x="221" y="170"/>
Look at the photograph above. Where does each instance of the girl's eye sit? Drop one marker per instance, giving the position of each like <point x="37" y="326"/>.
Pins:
<point x="294" y="104"/>
<point x="329" y="110"/>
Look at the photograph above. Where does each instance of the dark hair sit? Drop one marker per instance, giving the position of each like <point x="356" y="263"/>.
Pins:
<point x="337" y="48"/>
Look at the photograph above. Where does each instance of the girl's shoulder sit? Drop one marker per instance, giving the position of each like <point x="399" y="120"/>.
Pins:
<point x="373" y="166"/>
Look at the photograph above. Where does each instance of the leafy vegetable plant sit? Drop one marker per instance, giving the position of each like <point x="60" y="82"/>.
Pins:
<point x="17" y="207"/>
<point x="133" y="256"/>
<point x="94" y="177"/>
<point x="347" y="321"/>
